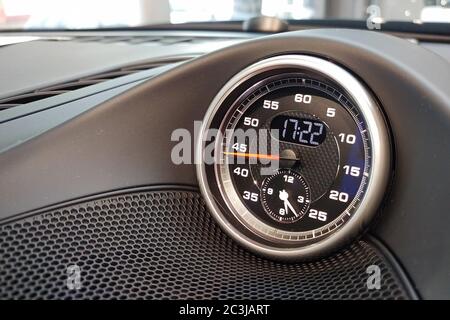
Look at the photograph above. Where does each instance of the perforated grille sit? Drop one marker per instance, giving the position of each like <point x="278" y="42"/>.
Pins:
<point x="165" y="245"/>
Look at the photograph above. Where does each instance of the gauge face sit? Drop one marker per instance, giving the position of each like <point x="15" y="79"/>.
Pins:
<point x="297" y="159"/>
<point x="285" y="196"/>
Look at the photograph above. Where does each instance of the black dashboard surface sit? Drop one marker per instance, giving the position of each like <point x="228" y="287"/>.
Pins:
<point x="123" y="140"/>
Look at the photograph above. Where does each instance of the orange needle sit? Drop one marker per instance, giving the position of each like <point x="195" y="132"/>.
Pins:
<point x="254" y="155"/>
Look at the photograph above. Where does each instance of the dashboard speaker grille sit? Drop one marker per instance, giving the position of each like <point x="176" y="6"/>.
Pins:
<point x="164" y="244"/>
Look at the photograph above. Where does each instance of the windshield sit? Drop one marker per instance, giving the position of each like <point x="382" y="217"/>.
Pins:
<point x="88" y="14"/>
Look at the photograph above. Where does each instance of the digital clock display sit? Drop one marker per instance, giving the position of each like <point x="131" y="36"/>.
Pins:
<point x="308" y="132"/>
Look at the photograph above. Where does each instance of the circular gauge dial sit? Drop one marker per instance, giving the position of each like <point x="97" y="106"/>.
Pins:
<point x="298" y="156"/>
<point x="285" y="196"/>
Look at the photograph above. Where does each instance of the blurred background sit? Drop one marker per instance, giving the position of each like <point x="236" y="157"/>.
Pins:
<point x="84" y="14"/>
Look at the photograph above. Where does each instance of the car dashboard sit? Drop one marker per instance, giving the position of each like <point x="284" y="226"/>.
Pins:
<point x="103" y="138"/>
